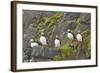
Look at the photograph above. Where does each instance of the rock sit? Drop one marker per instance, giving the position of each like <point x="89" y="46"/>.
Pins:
<point x="71" y="25"/>
<point x="67" y="21"/>
<point x="72" y="16"/>
<point x="84" y="17"/>
<point x="46" y="53"/>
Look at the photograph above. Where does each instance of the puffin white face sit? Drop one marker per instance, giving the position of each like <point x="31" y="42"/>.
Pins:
<point x="56" y="37"/>
<point x="42" y="34"/>
<point x="31" y="40"/>
<point x="79" y="31"/>
<point x="68" y="30"/>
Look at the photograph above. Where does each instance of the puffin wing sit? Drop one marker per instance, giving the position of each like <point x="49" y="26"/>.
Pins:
<point x="74" y="35"/>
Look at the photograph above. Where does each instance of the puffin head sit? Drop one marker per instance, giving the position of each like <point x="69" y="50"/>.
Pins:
<point x="57" y="37"/>
<point x="31" y="40"/>
<point x="79" y="31"/>
<point x="42" y="34"/>
<point x="68" y="30"/>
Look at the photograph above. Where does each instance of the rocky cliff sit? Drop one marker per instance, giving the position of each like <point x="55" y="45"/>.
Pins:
<point x="55" y="23"/>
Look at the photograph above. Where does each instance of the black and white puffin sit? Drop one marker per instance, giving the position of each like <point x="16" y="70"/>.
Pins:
<point x="43" y="39"/>
<point x="57" y="42"/>
<point x="33" y="43"/>
<point x="79" y="37"/>
<point x="70" y="35"/>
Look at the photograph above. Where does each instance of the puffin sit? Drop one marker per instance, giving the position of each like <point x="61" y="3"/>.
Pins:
<point x="79" y="37"/>
<point x="57" y="42"/>
<point x="70" y="35"/>
<point x="33" y="43"/>
<point x="43" y="40"/>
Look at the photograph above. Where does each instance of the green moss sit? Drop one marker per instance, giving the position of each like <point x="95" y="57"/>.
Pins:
<point x="47" y="25"/>
<point x="56" y="58"/>
<point x="66" y="50"/>
<point x="86" y="38"/>
<point x="78" y="22"/>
